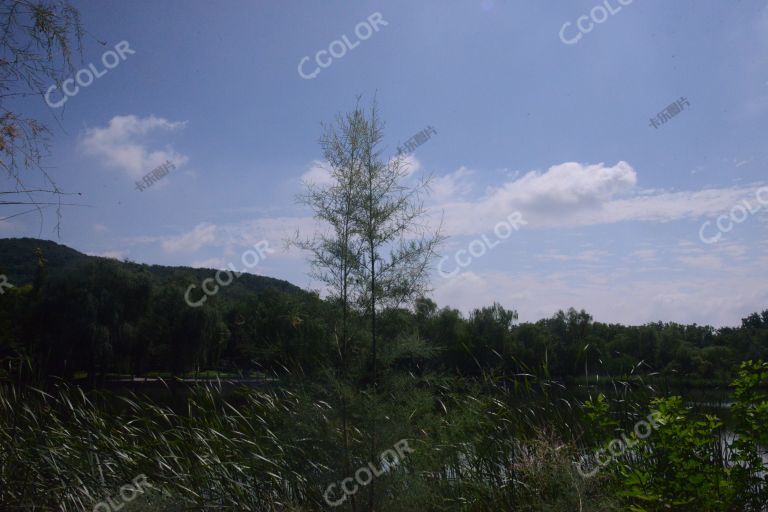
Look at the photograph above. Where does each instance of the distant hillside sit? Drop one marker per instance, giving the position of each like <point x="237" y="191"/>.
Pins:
<point x="18" y="262"/>
<point x="93" y="316"/>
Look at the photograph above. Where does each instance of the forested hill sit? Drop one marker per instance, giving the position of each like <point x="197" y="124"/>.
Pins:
<point x="19" y="261"/>
<point x="70" y="314"/>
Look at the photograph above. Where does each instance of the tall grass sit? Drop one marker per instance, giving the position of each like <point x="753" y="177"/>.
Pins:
<point x="61" y="452"/>
<point x="493" y="444"/>
<point x="279" y="449"/>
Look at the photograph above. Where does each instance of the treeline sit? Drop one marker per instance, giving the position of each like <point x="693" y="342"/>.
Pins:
<point x="571" y="344"/>
<point x="107" y="317"/>
<point x="104" y="317"/>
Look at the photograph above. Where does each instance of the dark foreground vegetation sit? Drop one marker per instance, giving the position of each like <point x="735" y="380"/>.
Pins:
<point x="500" y="416"/>
<point x="476" y="445"/>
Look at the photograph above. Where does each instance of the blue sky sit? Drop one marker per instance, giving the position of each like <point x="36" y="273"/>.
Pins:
<point x="525" y="123"/>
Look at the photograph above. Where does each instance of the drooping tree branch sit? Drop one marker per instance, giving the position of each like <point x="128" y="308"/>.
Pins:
<point x="37" y="44"/>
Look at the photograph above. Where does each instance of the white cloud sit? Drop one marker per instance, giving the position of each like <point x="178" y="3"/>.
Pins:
<point x="410" y="164"/>
<point x="548" y="198"/>
<point x="572" y="194"/>
<point x="233" y="239"/>
<point x="569" y="183"/>
<point x="201" y="235"/>
<point x="122" y="144"/>
<point x="669" y="206"/>
<point x="452" y="186"/>
<point x="319" y="174"/>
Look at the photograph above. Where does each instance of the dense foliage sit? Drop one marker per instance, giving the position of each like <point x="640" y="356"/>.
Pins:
<point x="73" y="315"/>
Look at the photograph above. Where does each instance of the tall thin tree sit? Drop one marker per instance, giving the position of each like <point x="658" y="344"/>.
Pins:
<point x="335" y="252"/>
<point x="397" y="245"/>
<point x="375" y="249"/>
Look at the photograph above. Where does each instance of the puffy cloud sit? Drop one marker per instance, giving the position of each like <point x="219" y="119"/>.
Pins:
<point x="121" y="144"/>
<point x="569" y="184"/>
<point x="572" y="194"/>
<point x="548" y="198"/>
